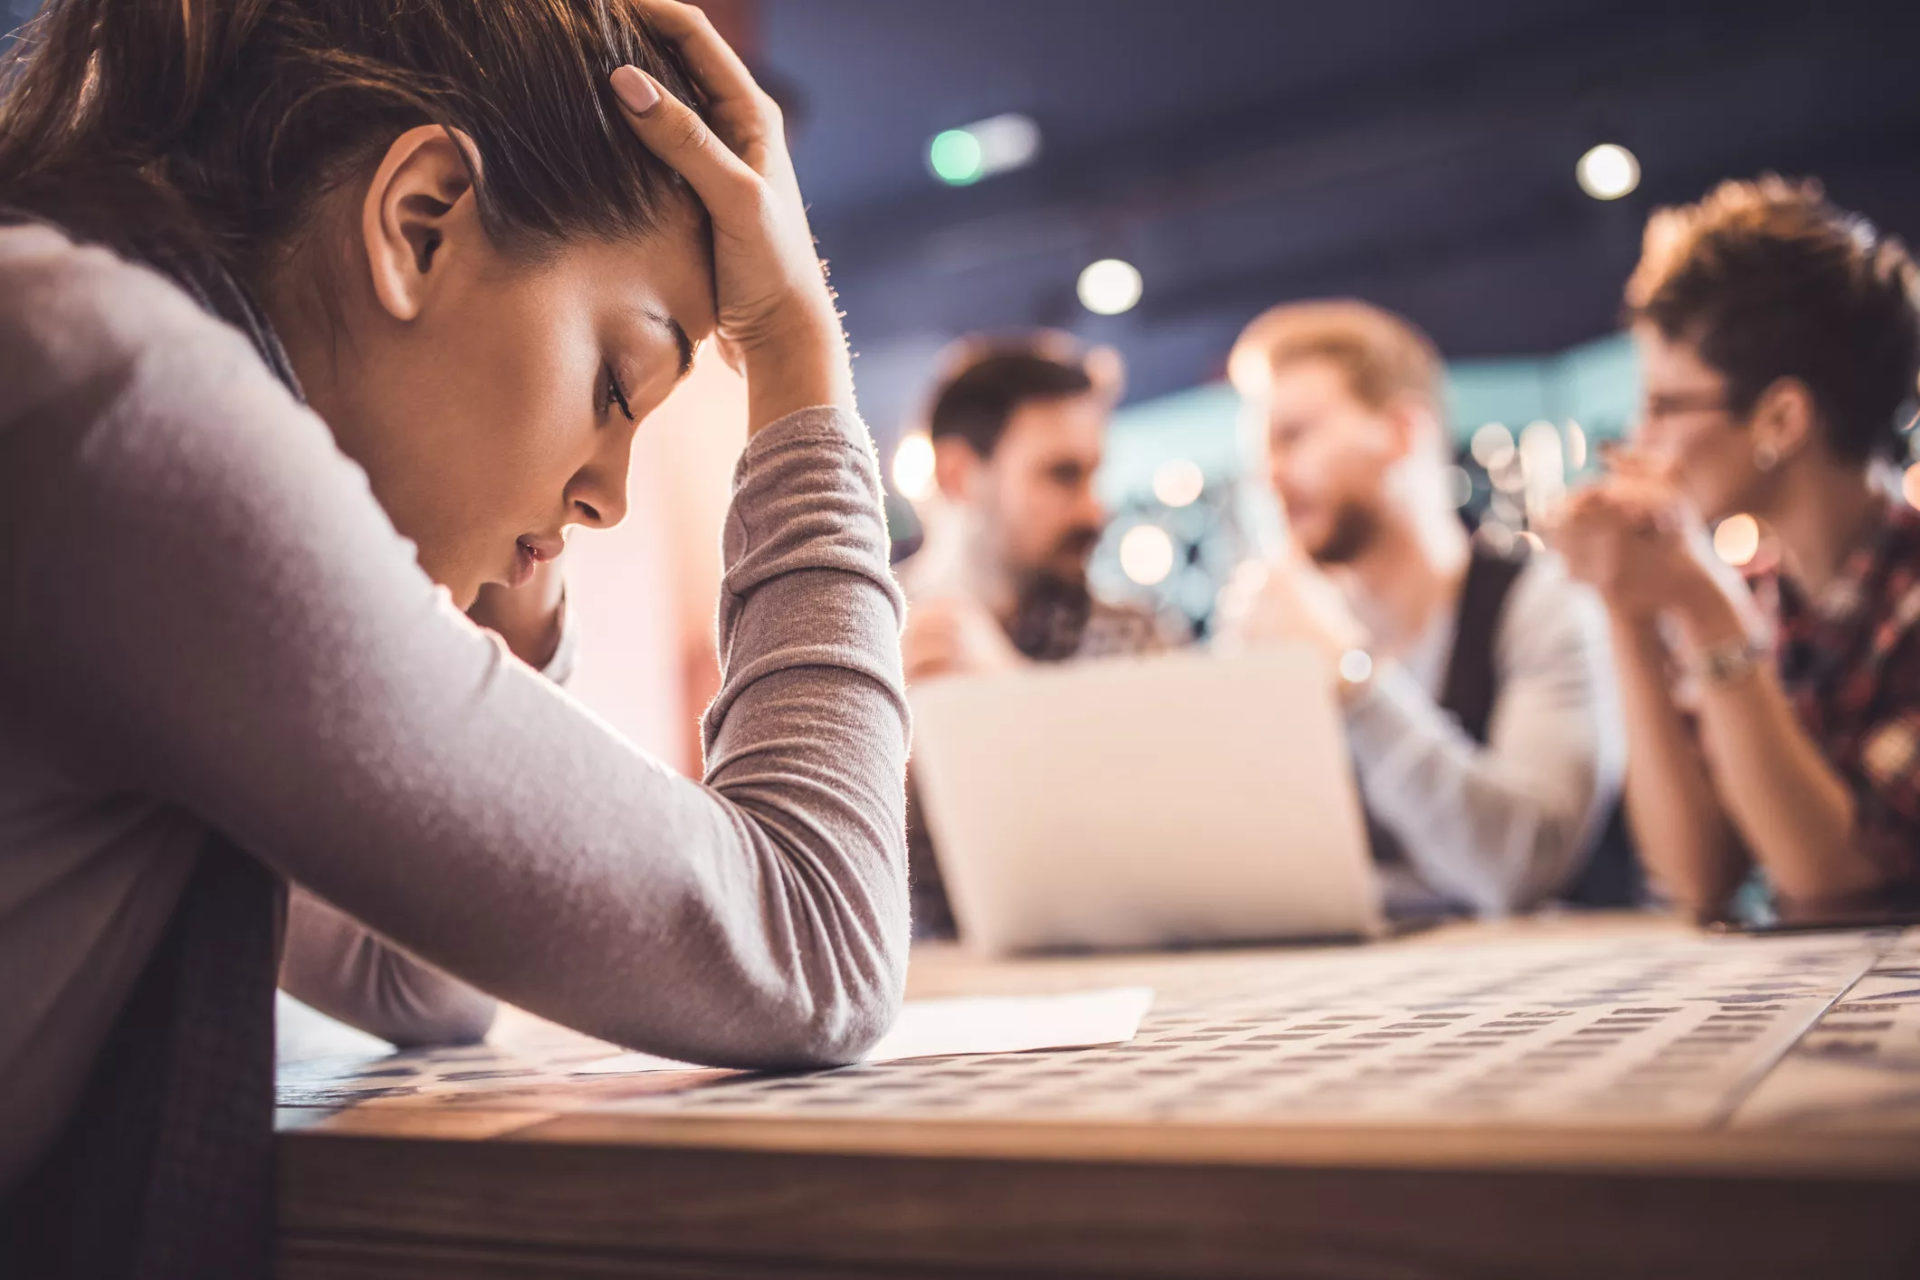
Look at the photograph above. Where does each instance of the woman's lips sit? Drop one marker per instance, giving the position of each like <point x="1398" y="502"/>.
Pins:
<point x="529" y="553"/>
<point x="524" y="563"/>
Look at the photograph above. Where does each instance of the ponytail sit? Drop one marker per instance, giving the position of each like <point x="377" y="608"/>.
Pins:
<point x="130" y="75"/>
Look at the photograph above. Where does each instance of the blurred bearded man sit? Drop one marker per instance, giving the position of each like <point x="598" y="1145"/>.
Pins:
<point x="1018" y="434"/>
<point x="1478" y="702"/>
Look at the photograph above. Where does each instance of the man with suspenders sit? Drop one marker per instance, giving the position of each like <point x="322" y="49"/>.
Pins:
<point x="1475" y="686"/>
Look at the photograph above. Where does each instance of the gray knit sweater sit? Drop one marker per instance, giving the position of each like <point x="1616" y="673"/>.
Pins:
<point x="207" y="621"/>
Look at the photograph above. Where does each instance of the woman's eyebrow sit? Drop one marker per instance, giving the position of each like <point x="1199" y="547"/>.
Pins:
<point x="679" y="336"/>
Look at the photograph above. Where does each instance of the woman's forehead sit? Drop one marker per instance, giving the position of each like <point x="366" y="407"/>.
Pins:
<point x="659" y="282"/>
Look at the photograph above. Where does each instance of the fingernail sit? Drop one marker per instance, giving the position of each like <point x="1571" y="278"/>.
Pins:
<point x="635" y="90"/>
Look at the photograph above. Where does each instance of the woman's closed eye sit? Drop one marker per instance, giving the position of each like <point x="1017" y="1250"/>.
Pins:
<point x="616" y="396"/>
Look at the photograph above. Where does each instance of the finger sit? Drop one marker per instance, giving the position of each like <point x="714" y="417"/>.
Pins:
<point x="674" y="132"/>
<point x="1622" y="459"/>
<point x="1638" y="464"/>
<point x="719" y="69"/>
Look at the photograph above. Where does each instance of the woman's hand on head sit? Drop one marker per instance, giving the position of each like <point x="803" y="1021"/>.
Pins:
<point x="775" y="311"/>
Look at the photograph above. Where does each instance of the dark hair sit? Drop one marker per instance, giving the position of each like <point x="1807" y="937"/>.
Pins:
<point x="976" y="402"/>
<point x="1769" y="280"/>
<point x="225" y="120"/>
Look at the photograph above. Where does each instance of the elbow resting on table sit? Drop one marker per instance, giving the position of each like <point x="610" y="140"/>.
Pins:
<point x="1853" y="880"/>
<point x="822" y="1021"/>
<point x="464" y="1017"/>
<point x="854" y="1028"/>
<point x="861" y="999"/>
<point x="415" y="1006"/>
<point x="847" y="981"/>
<point x="817" y="990"/>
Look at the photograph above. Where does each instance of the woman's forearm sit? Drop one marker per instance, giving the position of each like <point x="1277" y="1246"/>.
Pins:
<point x="340" y="967"/>
<point x="1682" y="832"/>
<point x="1793" y="811"/>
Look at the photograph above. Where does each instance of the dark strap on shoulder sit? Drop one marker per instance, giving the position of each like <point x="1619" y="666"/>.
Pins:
<point x="1472" y="684"/>
<point x="1611" y="875"/>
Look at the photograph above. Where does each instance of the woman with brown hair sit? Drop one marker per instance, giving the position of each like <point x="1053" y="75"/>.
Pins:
<point x="1773" y="722"/>
<point x="320" y="321"/>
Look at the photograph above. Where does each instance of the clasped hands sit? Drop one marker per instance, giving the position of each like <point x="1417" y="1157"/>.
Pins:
<point x="1637" y="540"/>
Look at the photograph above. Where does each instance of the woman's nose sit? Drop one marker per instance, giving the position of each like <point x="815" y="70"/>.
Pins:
<point x="600" y="504"/>
<point x="598" y="494"/>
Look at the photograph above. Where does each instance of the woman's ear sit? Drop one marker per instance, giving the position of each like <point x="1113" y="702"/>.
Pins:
<point x="419" y="213"/>
<point x="1784" y="419"/>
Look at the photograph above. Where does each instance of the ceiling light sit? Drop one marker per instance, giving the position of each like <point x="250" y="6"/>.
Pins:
<point x="979" y="150"/>
<point x="954" y="157"/>
<point x="1608" y="172"/>
<point x="1109" y="286"/>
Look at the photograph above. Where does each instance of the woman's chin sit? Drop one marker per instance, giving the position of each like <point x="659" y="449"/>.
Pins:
<point x="465" y="588"/>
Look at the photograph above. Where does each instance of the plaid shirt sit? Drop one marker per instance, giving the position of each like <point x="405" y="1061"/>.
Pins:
<point x="1849" y="660"/>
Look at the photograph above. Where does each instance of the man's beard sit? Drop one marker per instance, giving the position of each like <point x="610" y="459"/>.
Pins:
<point x="1053" y="600"/>
<point x="1354" y="530"/>
<point x="1071" y="555"/>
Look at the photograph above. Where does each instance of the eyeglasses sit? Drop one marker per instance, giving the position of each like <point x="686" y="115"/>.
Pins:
<point x="1672" y="404"/>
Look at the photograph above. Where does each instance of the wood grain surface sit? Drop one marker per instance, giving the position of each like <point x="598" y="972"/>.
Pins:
<point x="496" y="1177"/>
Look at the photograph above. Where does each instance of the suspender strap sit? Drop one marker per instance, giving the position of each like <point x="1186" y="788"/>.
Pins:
<point x="1472" y="685"/>
<point x="1611" y="876"/>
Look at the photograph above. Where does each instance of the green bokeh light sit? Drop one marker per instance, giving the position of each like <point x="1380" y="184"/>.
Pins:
<point x="955" y="157"/>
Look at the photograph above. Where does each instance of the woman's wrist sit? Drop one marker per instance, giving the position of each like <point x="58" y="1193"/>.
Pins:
<point x="1706" y="616"/>
<point x="800" y="365"/>
<point x="1638" y="642"/>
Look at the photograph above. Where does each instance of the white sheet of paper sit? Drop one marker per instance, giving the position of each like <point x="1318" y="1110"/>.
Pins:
<point x="973" y="1024"/>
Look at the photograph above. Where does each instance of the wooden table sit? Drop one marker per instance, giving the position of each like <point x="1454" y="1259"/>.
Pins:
<point x="1806" y="1163"/>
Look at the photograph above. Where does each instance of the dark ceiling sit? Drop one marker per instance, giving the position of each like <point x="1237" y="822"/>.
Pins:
<point x="1416" y="152"/>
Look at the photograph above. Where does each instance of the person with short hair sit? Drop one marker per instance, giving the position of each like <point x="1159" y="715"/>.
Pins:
<point x="1019" y="428"/>
<point x="1774" y="718"/>
<point x="1474" y="685"/>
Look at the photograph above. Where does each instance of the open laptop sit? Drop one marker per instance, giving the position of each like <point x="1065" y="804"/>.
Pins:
<point x="1145" y="802"/>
